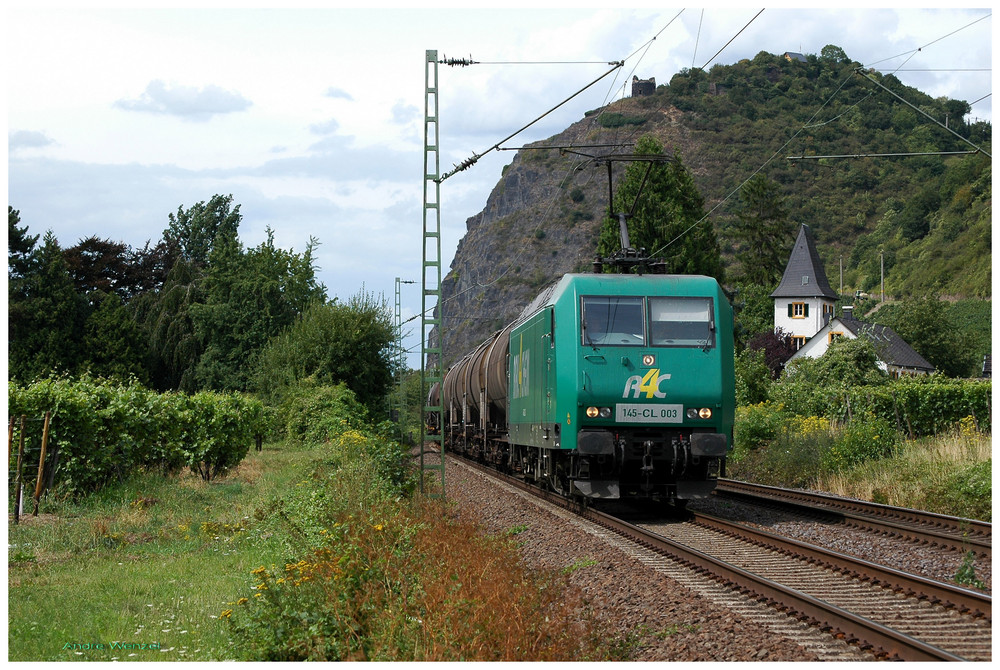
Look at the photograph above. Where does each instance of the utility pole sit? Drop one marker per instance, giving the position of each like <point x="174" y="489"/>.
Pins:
<point x="431" y="362"/>
<point x="881" y="263"/>
<point x="398" y="400"/>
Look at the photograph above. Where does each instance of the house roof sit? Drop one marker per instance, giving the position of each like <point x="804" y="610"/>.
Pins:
<point x="804" y="275"/>
<point x="890" y="347"/>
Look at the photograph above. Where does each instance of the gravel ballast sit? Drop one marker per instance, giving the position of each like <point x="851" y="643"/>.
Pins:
<point x="637" y="599"/>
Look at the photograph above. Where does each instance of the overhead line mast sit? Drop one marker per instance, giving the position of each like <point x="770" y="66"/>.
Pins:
<point x="431" y="360"/>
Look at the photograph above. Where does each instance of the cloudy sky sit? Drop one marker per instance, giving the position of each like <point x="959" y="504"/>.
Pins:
<point x="312" y="119"/>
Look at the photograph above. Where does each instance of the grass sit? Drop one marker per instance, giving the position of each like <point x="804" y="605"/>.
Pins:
<point x="150" y="561"/>
<point x="948" y="474"/>
<point x="297" y="554"/>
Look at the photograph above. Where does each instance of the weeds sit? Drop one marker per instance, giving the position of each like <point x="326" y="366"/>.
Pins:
<point x="376" y="576"/>
<point x="966" y="573"/>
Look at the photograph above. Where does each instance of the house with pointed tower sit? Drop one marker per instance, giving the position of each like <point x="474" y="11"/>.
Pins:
<point x="803" y="301"/>
<point x="804" y="306"/>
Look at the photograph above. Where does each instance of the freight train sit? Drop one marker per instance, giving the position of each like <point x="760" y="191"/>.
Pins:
<point x="607" y="386"/>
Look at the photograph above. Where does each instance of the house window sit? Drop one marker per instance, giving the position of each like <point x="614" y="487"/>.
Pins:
<point x="798" y="341"/>
<point x="798" y="310"/>
<point x="834" y="336"/>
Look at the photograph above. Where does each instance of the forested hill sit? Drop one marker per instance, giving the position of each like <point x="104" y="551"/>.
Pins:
<point x="923" y="214"/>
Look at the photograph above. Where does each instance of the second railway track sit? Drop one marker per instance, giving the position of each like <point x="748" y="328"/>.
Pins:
<point x="889" y="612"/>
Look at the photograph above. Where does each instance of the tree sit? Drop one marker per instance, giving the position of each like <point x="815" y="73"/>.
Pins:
<point x="45" y="320"/>
<point x="113" y="345"/>
<point x="669" y="215"/>
<point x="164" y="317"/>
<point x="334" y="342"/>
<point x="833" y="53"/>
<point x="20" y="247"/>
<point x="249" y="297"/>
<point x="762" y="233"/>
<point x="753" y="309"/>
<point x="197" y="230"/>
<point x="924" y="324"/>
<point x="115" y="267"/>
<point x="777" y="347"/>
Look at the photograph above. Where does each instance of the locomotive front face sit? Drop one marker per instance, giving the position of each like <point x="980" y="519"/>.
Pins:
<point x="623" y="386"/>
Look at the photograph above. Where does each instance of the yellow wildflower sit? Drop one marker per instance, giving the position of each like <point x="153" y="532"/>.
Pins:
<point x="242" y="601"/>
<point x="226" y="614"/>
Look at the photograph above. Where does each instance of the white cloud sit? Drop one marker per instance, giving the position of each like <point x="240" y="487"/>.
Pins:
<point x="338" y="93"/>
<point x="186" y="102"/>
<point x="27" y="139"/>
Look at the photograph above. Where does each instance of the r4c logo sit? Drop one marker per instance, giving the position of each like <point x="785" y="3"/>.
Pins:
<point x="648" y="384"/>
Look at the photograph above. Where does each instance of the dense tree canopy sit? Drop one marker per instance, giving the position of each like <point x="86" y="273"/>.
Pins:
<point x="330" y="343"/>
<point x="190" y="313"/>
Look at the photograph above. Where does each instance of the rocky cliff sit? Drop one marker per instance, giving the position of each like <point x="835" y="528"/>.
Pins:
<point x="541" y="221"/>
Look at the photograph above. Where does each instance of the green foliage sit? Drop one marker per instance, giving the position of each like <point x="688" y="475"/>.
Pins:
<point x="968" y="491"/>
<point x="756" y="425"/>
<point x="45" y="315"/>
<point x="921" y="405"/>
<point x="310" y="413"/>
<point x="219" y="430"/>
<point x="810" y="386"/>
<point x="753" y="309"/>
<point x="112" y="340"/>
<point x="375" y="577"/>
<point x="617" y="120"/>
<point x="332" y="343"/>
<point x="165" y="319"/>
<point x="865" y="438"/>
<point x="740" y="116"/>
<point x="20" y="249"/>
<point x="248" y="297"/>
<point x="925" y="324"/>
<point x="753" y="378"/>
<point x="666" y="207"/>
<point x="105" y="430"/>
<point x="197" y="230"/>
<point x="762" y="231"/>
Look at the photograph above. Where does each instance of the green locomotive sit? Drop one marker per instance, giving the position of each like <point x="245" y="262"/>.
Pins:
<point x="607" y="386"/>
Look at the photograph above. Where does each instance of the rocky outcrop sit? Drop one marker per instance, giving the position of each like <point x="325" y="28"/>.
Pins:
<point x="540" y="222"/>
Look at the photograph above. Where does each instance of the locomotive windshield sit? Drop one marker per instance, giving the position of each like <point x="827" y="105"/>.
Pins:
<point x="672" y="321"/>
<point x="681" y="322"/>
<point x="612" y="320"/>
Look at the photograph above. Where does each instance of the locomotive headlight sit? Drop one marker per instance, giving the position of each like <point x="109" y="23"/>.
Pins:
<point x="602" y="412"/>
<point x="705" y="413"/>
<point x="692" y="413"/>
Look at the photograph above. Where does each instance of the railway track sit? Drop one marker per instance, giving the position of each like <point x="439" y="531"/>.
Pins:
<point x="939" y="530"/>
<point x="895" y="615"/>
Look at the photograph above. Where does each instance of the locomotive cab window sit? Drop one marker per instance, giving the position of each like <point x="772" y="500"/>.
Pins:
<point x="612" y="321"/>
<point x="681" y="322"/>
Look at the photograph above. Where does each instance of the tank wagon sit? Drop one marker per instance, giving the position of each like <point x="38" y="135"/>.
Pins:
<point x="606" y="386"/>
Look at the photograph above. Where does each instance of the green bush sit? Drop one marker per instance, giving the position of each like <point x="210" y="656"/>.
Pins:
<point x="104" y="430"/>
<point x="792" y="457"/>
<point x="313" y="414"/>
<point x="757" y="425"/>
<point x="617" y="120"/>
<point x="866" y="438"/>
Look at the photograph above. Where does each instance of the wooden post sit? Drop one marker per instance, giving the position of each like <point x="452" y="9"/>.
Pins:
<point x="17" y="477"/>
<point x="10" y="440"/>
<point x="41" y="462"/>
